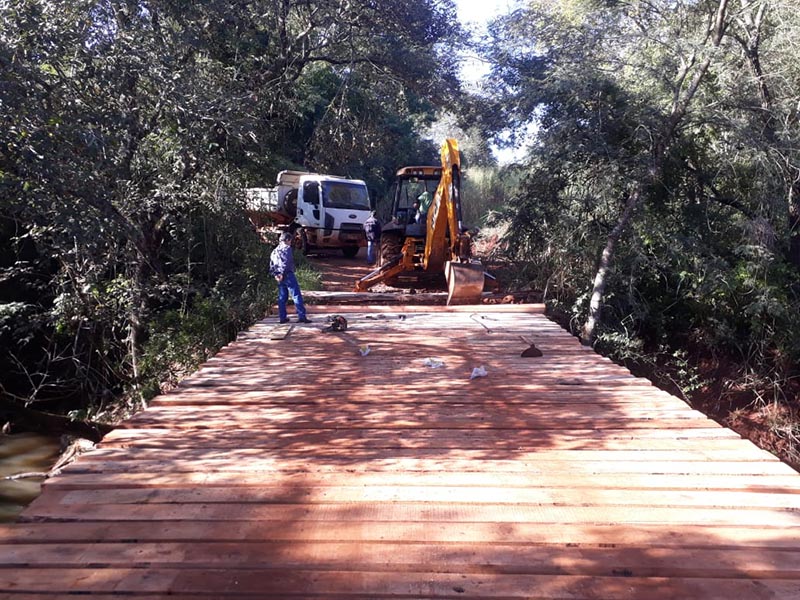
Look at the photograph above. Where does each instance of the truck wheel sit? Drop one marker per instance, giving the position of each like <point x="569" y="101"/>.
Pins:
<point x="350" y="251"/>
<point x="304" y="243"/>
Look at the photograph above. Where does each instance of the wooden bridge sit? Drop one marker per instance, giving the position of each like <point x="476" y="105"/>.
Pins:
<point x="367" y="464"/>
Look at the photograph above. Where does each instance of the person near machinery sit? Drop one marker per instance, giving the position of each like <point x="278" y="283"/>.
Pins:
<point x="372" y="230"/>
<point x="424" y="200"/>
<point x="281" y="267"/>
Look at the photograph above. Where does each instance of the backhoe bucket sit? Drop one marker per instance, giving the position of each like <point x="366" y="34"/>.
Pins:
<point x="464" y="282"/>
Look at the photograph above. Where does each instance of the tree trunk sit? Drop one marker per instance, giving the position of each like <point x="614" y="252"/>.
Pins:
<point x="50" y="423"/>
<point x="148" y="245"/>
<point x="751" y="22"/>
<point x="600" y="278"/>
<point x="660" y="148"/>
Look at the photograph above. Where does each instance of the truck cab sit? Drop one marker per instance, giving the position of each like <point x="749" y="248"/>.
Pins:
<point x="325" y="211"/>
<point x="331" y="212"/>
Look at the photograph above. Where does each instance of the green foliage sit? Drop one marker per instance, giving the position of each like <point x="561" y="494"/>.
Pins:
<point x="706" y="271"/>
<point x="182" y="339"/>
<point x="483" y="190"/>
<point x="125" y="257"/>
<point x="307" y="276"/>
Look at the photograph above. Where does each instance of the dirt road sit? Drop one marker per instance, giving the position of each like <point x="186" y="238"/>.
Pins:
<point x="339" y="274"/>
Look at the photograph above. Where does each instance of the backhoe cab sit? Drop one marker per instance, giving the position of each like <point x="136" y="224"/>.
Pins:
<point x="426" y="233"/>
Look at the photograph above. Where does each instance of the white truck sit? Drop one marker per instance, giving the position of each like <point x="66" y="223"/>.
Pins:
<point x="324" y="211"/>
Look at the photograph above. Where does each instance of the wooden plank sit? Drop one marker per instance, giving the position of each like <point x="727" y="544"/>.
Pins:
<point x="417" y="417"/>
<point x="271" y="438"/>
<point x="151" y="446"/>
<point x="342" y="493"/>
<point x="366" y="371"/>
<point x="411" y="419"/>
<point x="435" y="512"/>
<point x="201" y="397"/>
<point x="466" y="460"/>
<point x="495" y="412"/>
<point x="203" y="458"/>
<point x="513" y="309"/>
<point x="365" y="477"/>
<point x="393" y="410"/>
<point x="379" y="461"/>
<point x="458" y="557"/>
<point x="652" y="535"/>
<point x="232" y="393"/>
<point x="269" y="583"/>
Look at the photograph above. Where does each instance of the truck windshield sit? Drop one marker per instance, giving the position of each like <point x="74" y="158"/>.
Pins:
<point x="339" y="194"/>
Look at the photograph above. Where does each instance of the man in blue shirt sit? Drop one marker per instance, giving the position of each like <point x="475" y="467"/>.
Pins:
<point x="281" y="267"/>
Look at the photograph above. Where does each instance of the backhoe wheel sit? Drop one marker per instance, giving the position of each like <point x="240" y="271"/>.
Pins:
<point x="391" y="247"/>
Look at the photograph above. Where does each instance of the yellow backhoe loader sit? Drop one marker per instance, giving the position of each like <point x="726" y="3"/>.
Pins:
<point x="426" y="234"/>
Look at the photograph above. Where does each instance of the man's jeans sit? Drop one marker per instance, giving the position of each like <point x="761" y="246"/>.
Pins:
<point x="290" y="285"/>
<point x="371" y="252"/>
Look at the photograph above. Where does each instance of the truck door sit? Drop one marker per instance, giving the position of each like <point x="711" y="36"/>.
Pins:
<point x="311" y="197"/>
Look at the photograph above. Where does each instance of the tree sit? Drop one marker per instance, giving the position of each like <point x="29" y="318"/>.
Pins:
<point x="656" y="153"/>
<point x="617" y="46"/>
<point x="774" y="82"/>
<point x="128" y="126"/>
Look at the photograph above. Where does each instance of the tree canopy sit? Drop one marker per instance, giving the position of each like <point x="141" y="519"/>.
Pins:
<point x="127" y="124"/>
<point x="660" y="199"/>
<point x="658" y="205"/>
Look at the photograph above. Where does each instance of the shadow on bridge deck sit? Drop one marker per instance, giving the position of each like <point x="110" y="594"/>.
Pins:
<point x="300" y="468"/>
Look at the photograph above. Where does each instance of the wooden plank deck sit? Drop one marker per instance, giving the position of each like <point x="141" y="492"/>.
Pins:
<point x="299" y="468"/>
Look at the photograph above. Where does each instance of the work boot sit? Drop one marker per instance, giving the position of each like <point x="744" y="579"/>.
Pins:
<point x="304" y="320"/>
